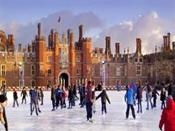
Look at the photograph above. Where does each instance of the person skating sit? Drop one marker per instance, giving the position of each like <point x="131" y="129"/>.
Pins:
<point x="88" y="98"/>
<point x="15" y="97"/>
<point x="163" y="97"/>
<point x="58" y="95"/>
<point x="104" y="97"/>
<point x="3" y="118"/>
<point x="24" y="95"/>
<point x="168" y="116"/>
<point x="149" y="96"/>
<point x="53" y="97"/>
<point x="34" y="100"/>
<point x="139" y="98"/>
<point x="70" y="97"/>
<point x="93" y="97"/>
<point x="82" y="95"/>
<point x="41" y="95"/>
<point x="129" y="99"/>
<point x="154" y="96"/>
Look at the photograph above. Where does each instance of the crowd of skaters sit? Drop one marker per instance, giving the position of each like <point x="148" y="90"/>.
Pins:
<point x="133" y="97"/>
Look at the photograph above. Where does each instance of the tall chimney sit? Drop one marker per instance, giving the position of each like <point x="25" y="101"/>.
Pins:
<point x="164" y="41"/>
<point x="71" y="37"/>
<point x="108" y="45"/>
<point x="80" y="32"/>
<point x="138" y="46"/>
<point x="68" y="35"/>
<point x="39" y="30"/>
<point x="168" y="40"/>
<point x="117" y="48"/>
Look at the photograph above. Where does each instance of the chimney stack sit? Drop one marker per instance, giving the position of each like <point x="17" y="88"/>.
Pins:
<point x="68" y="35"/>
<point x="80" y="32"/>
<point x="108" y="45"/>
<point x="117" y="48"/>
<point x="39" y="30"/>
<point x="71" y="37"/>
<point x="138" y="46"/>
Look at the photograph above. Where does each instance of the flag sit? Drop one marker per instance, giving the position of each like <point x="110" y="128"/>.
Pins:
<point x="59" y="19"/>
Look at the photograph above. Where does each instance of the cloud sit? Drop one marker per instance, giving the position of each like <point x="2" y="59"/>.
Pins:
<point x="150" y="28"/>
<point x="26" y="33"/>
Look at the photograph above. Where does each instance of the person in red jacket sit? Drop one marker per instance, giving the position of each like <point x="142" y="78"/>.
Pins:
<point x="168" y="116"/>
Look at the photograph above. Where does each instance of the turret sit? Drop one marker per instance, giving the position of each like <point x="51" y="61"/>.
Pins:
<point x="39" y="30"/>
<point x="166" y="42"/>
<point x="68" y="35"/>
<point x="138" y="46"/>
<point x="117" y="48"/>
<point x="108" y="45"/>
<point x="80" y="32"/>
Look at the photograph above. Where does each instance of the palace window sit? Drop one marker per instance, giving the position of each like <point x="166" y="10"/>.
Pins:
<point x="141" y="60"/>
<point x="49" y="59"/>
<point x="138" y="70"/>
<point x="49" y="72"/>
<point x="33" y="70"/>
<point x="78" y="72"/>
<point x="78" y="58"/>
<point x="118" y="71"/>
<point x="3" y="70"/>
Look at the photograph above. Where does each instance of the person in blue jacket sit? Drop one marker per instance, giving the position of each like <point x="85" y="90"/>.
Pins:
<point x="129" y="99"/>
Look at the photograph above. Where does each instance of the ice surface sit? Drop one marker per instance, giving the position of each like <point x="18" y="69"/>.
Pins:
<point x="19" y="118"/>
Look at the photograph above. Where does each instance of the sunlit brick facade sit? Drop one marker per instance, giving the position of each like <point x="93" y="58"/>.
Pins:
<point x="60" y="59"/>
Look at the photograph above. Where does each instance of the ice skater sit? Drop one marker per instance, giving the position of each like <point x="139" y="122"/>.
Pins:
<point x="88" y="98"/>
<point x="149" y="96"/>
<point x="24" y="95"/>
<point x="168" y="116"/>
<point x="154" y="96"/>
<point x="129" y="99"/>
<point x="139" y="98"/>
<point x="15" y="97"/>
<point x="34" y="101"/>
<point x="93" y="97"/>
<point x="104" y="97"/>
<point x="3" y="118"/>
<point x="163" y="97"/>
<point x="53" y="98"/>
<point x="41" y="95"/>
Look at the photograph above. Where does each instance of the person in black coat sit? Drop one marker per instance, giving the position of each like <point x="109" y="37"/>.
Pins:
<point x="139" y="98"/>
<point x="154" y="95"/>
<point x="3" y="103"/>
<point x="24" y="95"/>
<point x="163" y="97"/>
<point x="15" y="97"/>
<point x="104" y="97"/>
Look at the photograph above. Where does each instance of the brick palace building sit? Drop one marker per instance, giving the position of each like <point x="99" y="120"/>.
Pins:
<point x="62" y="60"/>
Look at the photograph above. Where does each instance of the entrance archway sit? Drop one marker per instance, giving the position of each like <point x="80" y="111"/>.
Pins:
<point x="64" y="80"/>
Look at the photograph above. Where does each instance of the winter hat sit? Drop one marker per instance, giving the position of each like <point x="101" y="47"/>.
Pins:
<point x="3" y="98"/>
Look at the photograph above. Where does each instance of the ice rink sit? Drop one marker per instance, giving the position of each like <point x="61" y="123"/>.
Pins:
<point x="19" y="118"/>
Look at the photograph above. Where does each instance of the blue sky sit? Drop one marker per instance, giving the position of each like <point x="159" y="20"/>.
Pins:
<point x="103" y="16"/>
<point x="111" y="11"/>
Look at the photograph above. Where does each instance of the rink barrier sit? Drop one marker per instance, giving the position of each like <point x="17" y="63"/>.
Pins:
<point x="17" y="88"/>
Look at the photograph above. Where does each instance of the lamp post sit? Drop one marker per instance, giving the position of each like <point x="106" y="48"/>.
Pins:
<point x="21" y="74"/>
<point x="104" y="73"/>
